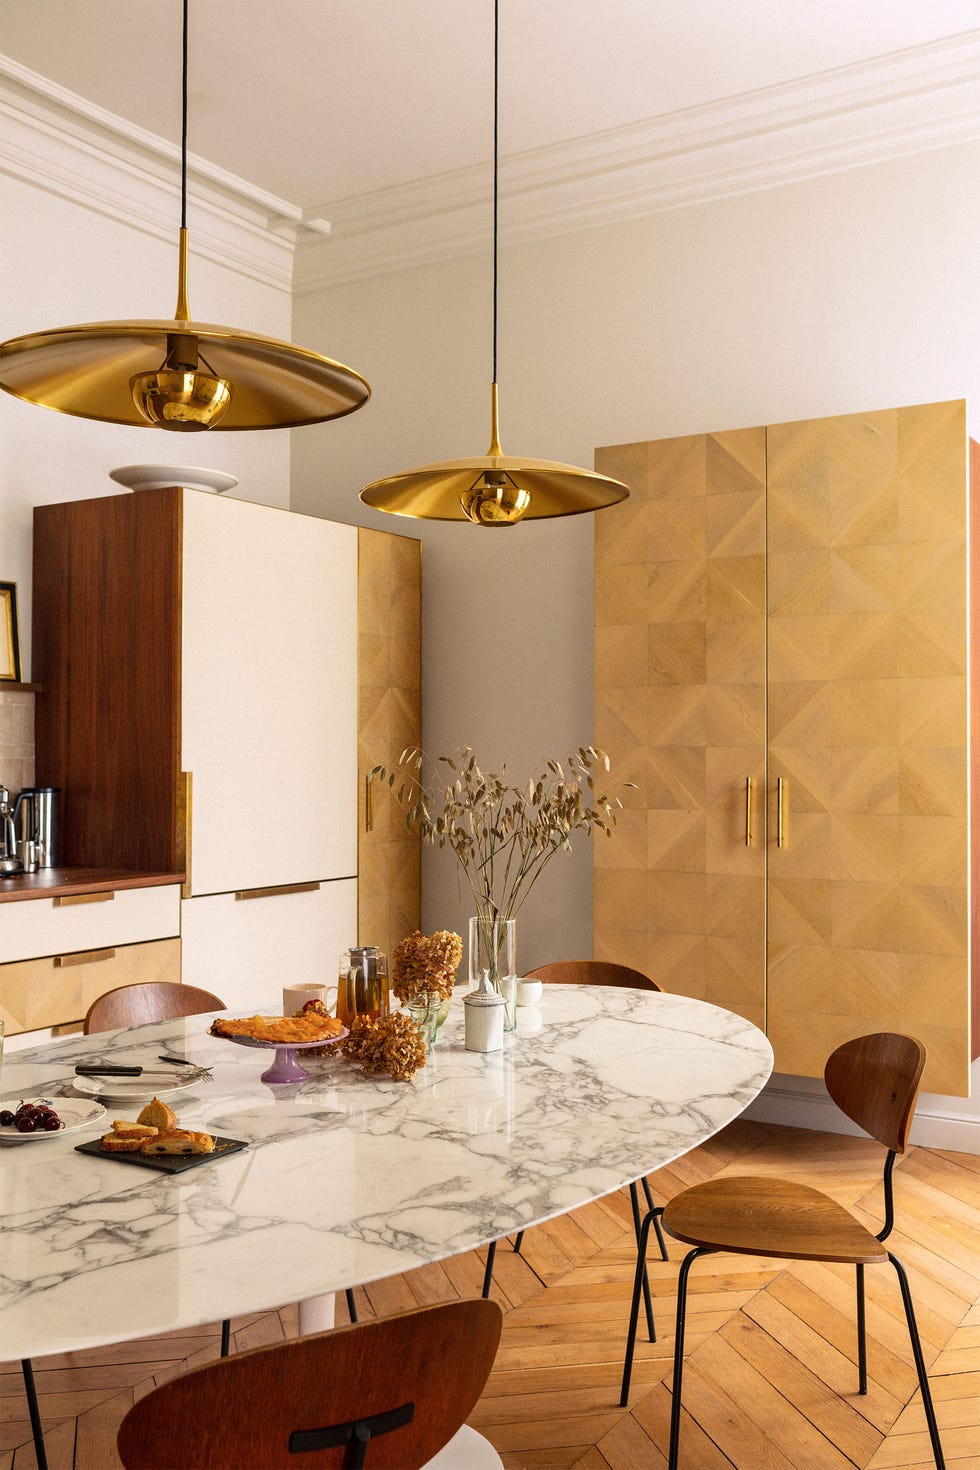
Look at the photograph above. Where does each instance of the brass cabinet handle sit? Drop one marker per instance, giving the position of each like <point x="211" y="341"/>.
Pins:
<point x="780" y="828"/>
<point x="748" y="811"/>
<point x="84" y="957"/>
<point x="65" y="899"/>
<point x="277" y="891"/>
<point x="369" y="802"/>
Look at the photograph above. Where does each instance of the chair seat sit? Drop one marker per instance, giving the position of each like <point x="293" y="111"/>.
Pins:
<point x="757" y="1216"/>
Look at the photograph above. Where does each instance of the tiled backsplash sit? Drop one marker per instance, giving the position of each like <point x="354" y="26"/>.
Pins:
<point x="16" y="739"/>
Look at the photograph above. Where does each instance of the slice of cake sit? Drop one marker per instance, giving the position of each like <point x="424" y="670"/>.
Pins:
<point x="178" y="1141"/>
<point x="157" y="1115"/>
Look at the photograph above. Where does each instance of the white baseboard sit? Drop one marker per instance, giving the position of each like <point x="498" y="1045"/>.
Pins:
<point x="800" y="1102"/>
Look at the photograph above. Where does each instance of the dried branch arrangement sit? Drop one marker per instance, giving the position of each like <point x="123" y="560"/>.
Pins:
<point x="503" y="835"/>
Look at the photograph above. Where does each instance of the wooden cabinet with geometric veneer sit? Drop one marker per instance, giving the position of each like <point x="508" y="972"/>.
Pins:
<point x="788" y="607"/>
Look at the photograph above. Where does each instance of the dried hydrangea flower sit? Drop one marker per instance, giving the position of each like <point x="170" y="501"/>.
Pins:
<point x="426" y="963"/>
<point x="391" y="1044"/>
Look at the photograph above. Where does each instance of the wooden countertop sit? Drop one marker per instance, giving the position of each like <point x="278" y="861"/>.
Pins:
<point x="60" y="882"/>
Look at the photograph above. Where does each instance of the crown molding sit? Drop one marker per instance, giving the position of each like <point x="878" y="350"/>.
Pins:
<point x="55" y="140"/>
<point x="910" y="101"/>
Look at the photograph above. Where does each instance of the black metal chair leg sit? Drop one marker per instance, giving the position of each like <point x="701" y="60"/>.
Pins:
<point x="675" y="1405"/>
<point x="862" y="1335"/>
<point x="488" y="1273"/>
<point x="638" y="1277"/>
<point x="920" y="1365"/>
<point x="351" y="1307"/>
<point x="225" y="1337"/>
<point x="656" y="1211"/>
<point x="35" y="1415"/>
<point x="519" y="1241"/>
<point x="641" y="1255"/>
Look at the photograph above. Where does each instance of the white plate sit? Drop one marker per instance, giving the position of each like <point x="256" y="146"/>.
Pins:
<point x="73" y="1114"/>
<point x="160" y="476"/>
<point x="128" y="1089"/>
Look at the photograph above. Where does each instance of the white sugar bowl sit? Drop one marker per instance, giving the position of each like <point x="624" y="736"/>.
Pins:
<point x="529" y="992"/>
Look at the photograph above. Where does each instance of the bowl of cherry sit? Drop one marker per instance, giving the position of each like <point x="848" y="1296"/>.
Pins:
<point x="31" y="1117"/>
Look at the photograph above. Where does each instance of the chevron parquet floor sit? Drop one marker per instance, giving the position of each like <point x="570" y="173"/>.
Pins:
<point x="770" y="1377"/>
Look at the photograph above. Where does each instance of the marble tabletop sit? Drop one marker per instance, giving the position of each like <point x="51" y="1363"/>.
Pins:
<point x="347" y="1177"/>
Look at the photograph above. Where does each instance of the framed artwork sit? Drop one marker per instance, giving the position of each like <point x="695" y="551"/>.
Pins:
<point x="9" y="639"/>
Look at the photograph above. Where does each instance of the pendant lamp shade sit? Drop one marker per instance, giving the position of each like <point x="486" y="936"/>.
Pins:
<point x="179" y="375"/>
<point x="493" y="489"/>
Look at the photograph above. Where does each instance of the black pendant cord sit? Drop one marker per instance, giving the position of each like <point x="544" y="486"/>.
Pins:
<point x="183" y="126"/>
<point x="496" y="110"/>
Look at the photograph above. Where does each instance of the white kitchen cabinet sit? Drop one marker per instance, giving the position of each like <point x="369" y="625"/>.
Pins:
<point x="268" y="694"/>
<point x="247" y="948"/>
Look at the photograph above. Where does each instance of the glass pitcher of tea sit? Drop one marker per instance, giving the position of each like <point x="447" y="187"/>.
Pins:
<point x="362" y="983"/>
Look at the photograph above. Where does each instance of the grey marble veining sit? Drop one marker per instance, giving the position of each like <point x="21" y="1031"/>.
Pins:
<point x="349" y="1178"/>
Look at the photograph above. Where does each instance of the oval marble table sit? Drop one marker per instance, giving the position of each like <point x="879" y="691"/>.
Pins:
<point x="348" y="1177"/>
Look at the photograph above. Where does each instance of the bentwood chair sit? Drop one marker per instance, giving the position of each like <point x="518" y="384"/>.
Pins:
<point x="129" y="1005"/>
<point x="874" y="1080"/>
<point x="597" y="972"/>
<point x="151" y="1000"/>
<point x="388" y="1394"/>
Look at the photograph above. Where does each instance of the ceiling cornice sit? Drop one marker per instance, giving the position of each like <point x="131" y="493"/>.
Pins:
<point x="922" y="98"/>
<point x="910" y="101"/>
<point x="55" y="140"/>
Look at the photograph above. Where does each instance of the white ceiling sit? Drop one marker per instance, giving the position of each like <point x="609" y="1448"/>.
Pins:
<point x="324" y="100"/>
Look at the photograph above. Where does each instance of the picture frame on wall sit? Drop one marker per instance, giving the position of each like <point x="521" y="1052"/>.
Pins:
<point x="9" y="637"/>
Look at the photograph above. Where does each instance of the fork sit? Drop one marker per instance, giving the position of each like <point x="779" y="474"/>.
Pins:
<point x="204" y="1073"/>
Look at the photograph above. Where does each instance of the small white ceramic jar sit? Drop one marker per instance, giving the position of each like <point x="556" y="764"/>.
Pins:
<point x="483" y="1015"/>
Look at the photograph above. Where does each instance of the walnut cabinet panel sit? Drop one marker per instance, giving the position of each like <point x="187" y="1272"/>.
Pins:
<point x="782" y="646"/>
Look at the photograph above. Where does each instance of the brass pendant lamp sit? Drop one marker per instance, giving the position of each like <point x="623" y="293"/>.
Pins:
<point x="180" y="375"/>
<point x="494" y="489"/>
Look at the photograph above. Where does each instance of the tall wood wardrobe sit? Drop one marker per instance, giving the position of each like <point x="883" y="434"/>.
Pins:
<point x="782" y="651"/>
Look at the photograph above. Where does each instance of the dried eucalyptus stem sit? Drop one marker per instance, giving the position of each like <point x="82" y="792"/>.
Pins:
<point x="503" y="835"/>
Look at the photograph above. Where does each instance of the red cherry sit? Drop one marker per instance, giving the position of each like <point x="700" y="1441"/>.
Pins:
<point x="25" y="1124"/>
<point x="51" y="1123"/>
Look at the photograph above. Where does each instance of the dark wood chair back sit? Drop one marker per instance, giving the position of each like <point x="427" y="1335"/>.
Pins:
<point x="301" y="1403"/>
<point x="153" y="1000"/>
<point x="592" y="972"/>
<point x="875" y="1081"/>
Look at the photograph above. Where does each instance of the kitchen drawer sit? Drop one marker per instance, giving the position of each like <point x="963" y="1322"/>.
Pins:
<point x="246" y="949"/>
<point x="34" y="927"/>
<point x="41" y="993"/>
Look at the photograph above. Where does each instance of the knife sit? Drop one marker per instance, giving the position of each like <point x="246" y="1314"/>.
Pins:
<point x="95" y="1069"/>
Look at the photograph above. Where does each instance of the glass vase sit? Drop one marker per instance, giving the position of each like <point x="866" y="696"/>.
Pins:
<point x="493" y="947"/>
<point x="424" y="1009"/>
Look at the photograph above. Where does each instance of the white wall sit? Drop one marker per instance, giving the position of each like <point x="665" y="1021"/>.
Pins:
<point x="61" y="264"/>
<point x="849" y="292"/>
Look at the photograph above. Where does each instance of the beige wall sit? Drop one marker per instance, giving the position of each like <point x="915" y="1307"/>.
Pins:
<point x="842" y="293"/>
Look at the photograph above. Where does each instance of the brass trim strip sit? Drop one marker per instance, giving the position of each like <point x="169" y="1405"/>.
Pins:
<point x="185" y="793"/>
<point x="748" y="811"/>
<point x="275" y="892"/>
<point x="83" y="957"/>
<point x="63" y="900"/>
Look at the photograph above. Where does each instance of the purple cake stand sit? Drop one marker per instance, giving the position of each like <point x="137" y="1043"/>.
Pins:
<point x="285" y="1067"/>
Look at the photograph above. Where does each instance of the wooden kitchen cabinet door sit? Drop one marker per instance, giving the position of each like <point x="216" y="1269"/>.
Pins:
<point x="868" y="732"/>
<point x="681" y="710"/>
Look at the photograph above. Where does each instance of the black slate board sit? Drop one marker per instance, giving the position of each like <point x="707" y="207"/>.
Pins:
<point x="165" y="1163"/>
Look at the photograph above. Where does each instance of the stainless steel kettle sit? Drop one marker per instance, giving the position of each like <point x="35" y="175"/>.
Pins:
<point x="35" y="817"/>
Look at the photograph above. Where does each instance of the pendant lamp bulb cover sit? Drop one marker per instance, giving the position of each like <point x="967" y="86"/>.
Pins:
<point x="493" y="489"/>
<point x="180" y="375"/>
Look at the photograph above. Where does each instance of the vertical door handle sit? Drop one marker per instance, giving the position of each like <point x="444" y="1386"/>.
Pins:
<point x="369" y="802"/>
<point x="780" y="826"/>
<point x="748" y="811"/>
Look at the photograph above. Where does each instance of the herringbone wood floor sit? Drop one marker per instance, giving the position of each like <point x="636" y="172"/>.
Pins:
<point x="770" y="1377"/>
